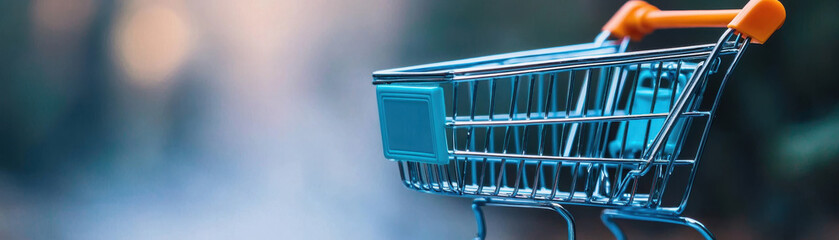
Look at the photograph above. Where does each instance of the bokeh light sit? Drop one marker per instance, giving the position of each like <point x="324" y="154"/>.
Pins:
<point x="256" y="119"/>
<point x="152" y="41"/>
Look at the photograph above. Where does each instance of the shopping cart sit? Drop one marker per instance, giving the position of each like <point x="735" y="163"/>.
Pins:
<point x="586" y="124"/>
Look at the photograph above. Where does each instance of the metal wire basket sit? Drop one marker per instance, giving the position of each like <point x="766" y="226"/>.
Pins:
<point x="586" y="124"/>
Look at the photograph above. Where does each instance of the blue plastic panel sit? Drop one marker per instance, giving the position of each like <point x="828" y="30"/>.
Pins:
<point x="645" y="92"/>
<point x="413" y="122"/>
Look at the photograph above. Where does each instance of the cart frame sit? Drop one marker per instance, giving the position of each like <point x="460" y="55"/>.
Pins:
<point x="606" y="146"/>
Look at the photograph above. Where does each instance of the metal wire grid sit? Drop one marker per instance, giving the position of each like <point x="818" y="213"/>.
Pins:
<point x="579" y="116"/>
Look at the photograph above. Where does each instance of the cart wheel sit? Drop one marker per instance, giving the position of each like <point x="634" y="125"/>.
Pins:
<point x="609" y="215"/>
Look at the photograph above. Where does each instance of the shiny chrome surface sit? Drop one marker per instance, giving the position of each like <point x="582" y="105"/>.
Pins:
<point x="481" y="202"/>
<point x="609" y="215"/>
<point x="548" y="127"/>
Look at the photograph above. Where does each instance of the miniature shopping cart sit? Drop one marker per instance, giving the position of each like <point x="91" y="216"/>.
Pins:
<point x="587" y="124"/>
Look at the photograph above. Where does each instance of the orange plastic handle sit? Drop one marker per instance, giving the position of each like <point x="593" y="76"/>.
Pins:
<point x="758" y="19"/>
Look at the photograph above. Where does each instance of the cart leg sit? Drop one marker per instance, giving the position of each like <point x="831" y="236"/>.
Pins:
<point x="608" y="220"/>
<point x="479" y="217"/>
<point x="479" y="214"/>
<point x="609" y="215"/>
<point x="572" y="234"/>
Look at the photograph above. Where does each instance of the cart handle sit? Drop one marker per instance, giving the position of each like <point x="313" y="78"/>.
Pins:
<point x="758" y="19"/>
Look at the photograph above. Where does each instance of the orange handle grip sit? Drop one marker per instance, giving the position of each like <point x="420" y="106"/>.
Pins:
<point x="758" y="19"/>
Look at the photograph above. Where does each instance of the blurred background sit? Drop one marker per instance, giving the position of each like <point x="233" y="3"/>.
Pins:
<point x="256" y="119"/>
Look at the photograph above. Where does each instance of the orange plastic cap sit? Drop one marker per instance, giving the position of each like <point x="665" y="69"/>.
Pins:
<point x="759" y="19"/>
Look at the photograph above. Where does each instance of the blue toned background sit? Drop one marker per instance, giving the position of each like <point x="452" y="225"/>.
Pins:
<point x="223" y="119"/>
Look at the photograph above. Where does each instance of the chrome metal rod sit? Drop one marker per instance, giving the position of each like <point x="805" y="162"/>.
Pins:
<point x="481" y="220"/>
<point x="411" y="74"/>
<point x="678" y="110"/>
<point x="573" y="120"/>
<point x="569" y="159"/>
<point x="675" y="113"/>
<point x="710" y="120"/>
<point x="609" y="215"/>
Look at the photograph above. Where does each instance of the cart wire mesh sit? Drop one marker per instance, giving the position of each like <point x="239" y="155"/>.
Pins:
<point x="573" y="125"/>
